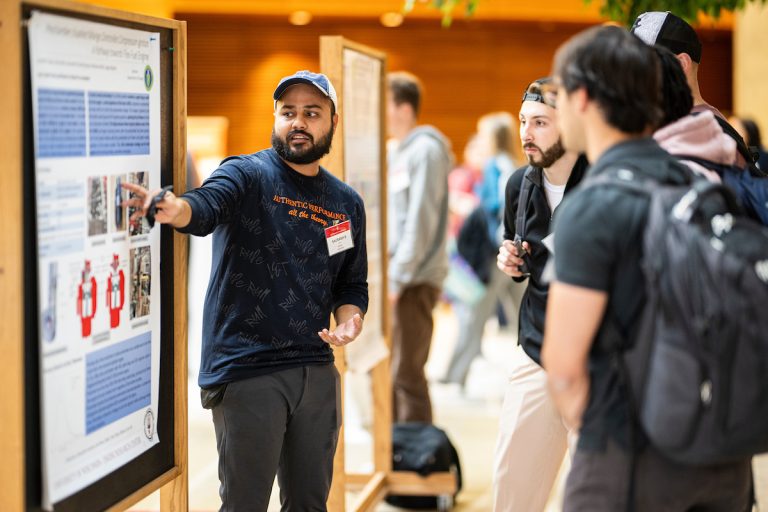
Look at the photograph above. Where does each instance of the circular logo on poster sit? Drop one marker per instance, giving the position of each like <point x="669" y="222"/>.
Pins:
<point x="149" y="424"/>
<point x="149" y="78"/>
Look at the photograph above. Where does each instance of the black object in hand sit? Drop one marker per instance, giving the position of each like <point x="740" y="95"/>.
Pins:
<point x="152" y="210"/>
<point x="525" y="267"/>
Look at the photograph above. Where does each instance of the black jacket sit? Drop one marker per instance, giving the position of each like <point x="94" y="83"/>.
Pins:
<point x="538" y="222"/>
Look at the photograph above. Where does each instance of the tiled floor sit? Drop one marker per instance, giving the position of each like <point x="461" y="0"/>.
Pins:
<point x="469" y="417"/>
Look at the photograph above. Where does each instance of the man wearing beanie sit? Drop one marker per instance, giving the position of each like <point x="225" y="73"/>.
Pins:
<point x="288" y="251"/>
<point x="418" y="162"/>
<point x="532" y="436"/>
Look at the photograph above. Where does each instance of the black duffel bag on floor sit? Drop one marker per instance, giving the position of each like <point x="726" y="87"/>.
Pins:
<point x="424" y="449"/>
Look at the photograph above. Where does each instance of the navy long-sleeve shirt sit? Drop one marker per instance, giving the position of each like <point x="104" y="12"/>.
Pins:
<point x="273" y="284"/>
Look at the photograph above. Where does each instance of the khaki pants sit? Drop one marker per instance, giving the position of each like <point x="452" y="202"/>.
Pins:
<point x="532" y="440"/>
<point x="411" y="337"/>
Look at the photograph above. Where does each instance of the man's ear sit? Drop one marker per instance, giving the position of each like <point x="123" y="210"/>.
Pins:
<point x="580" y="99"/>
<point x="685" y="61"/>
<point x="335" y="120"/>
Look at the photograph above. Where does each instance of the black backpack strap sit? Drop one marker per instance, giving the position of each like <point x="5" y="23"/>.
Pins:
<point x="707" y="164"/>
<point x="741" y="146"/>
<point x="719" y="168"/>
<point x="522" y="203"/>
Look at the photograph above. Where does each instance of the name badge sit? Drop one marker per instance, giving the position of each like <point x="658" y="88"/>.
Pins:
<point x="339" y="237"/>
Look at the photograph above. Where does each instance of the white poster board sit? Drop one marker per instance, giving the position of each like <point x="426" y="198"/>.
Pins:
<point x="362" y="171"/>
<point x="96" y="116"/>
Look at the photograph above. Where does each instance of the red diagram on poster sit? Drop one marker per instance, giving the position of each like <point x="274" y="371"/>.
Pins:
<point x="86" y="299"/>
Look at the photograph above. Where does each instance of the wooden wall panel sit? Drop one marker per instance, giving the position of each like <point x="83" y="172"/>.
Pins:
<point x="470" y="69"/>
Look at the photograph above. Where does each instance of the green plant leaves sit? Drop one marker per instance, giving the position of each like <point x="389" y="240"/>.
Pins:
<point x="622" y="11"/>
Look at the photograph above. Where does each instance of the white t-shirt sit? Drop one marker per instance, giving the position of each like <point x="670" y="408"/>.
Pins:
<point x="554" y="193"/>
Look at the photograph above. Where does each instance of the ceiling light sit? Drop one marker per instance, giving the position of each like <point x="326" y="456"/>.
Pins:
<point x="300" y="18"/>
<point x="391" y="19"/>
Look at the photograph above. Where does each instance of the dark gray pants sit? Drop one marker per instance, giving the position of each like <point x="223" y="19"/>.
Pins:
<point x="598" y="482"/>
<point x="287" y="423"/>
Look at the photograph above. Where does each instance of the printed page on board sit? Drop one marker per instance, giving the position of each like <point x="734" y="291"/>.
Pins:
<point x="96" y="117"/>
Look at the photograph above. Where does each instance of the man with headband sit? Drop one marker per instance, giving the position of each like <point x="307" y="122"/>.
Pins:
<point x="532" y="436"/>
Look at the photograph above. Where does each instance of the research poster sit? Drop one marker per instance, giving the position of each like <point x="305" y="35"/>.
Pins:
<point x="362" y="171"/>
<point x="95" y="92"/>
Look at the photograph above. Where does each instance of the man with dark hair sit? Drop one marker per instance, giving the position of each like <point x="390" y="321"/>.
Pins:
<point x="685" y="134"/>
<point x="419" y="161"/>
<point x="531" y="432"/>
<point x="608" y="96"/>
<point x="288" y="251"/>
<point x="667" y="30"/>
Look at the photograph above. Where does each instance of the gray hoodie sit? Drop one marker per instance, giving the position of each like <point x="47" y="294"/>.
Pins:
<point x="418" y="209"/>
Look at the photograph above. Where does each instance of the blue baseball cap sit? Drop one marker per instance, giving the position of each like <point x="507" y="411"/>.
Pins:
<point x="319" y="80"/>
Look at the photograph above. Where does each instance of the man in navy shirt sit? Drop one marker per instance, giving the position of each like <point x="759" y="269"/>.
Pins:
<point x="288" y="251"/>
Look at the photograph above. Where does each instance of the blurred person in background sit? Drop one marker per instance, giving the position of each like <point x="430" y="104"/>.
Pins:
<point x="462" y="182"/>
<point x="419" y="159"/>
<point x="477" y="243"/>
<point x="750" y="132"/>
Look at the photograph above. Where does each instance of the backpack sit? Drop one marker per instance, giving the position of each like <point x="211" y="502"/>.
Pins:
<point x="696" y="372"/>
<point x="751" y="190"/>
<point x="425" y="449"/>
<point x="473" y="243"/>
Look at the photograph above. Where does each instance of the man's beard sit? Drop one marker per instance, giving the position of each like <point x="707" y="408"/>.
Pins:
<point x="310" y="152"/>
<point x="548" y="157"/>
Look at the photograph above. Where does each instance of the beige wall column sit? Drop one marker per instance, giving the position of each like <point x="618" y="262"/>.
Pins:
<point x="750" y="65"/>
<point x="750" y="98"/>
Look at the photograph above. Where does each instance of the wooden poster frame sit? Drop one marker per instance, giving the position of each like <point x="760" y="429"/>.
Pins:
<point x="19" y="435"/>
<point x="371" y="488"/>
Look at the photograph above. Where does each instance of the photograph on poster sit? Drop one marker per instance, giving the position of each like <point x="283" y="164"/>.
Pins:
<point x="97" y="205"/>
<point x="138" y="226"/>
<point x="116" y="210"/>
<point x="141" y="281"/>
